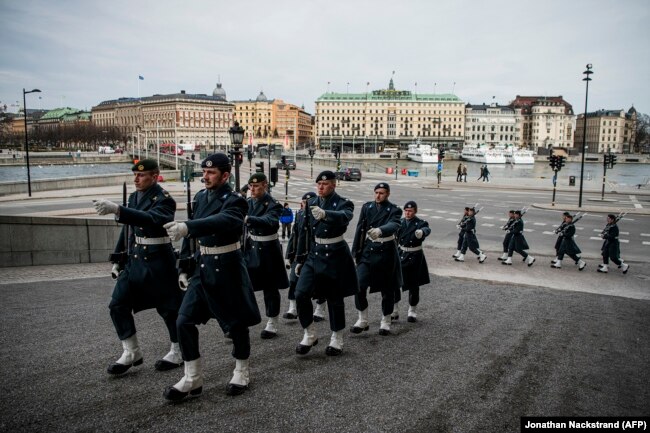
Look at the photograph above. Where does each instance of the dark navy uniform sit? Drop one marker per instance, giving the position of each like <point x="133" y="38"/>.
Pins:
<point x="568" y="245"/>
<point x="263" y="252"/>
<point x="611" y="245"/>
<point x="149" y="278"/>
<point x="415" y="271"/>
<point x="327" y="266"/>
<point x="220" y="287"/>
<point x="518" y="241"/>
<point x="468" y="230"/>
<point x="506" y="239"/>
<point x="378" y="262"/>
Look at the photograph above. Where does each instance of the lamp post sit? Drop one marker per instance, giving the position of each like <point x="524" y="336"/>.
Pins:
<point x="236" y="138"/>
<point x="29" y="178"/>
<point x="586" y="73"/>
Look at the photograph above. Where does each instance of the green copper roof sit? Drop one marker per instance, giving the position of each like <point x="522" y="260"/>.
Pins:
<point x="388" y="95"/>
<point x="58" y="113"/>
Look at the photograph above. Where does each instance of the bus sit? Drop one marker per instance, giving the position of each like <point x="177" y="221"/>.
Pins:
<point x="171" y="148"/>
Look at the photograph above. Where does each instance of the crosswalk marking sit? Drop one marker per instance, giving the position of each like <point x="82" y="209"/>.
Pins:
<point x="487" y="225"/>
<point x="488" y="218"/>
<point x="549" y="233"/>
<point x="645" y="243"/>
<point x="529" y="230"/>
<point x="451" y="219"/>
<point x="539" y="224"/>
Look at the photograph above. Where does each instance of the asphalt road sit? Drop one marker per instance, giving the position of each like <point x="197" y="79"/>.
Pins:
<point x="482" y="355"/>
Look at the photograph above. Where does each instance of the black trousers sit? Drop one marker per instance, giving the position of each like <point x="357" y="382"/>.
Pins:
<point x="387" y="300"/>
<point x="512" y="249"/>
<point x="335" y="309"/>
<point x="272" y="302"/>
<point x="414" y="295"/>
<point x="286" y="228"/>
<point x="461" y="237"/>
<point x="606" y="258"/>
<point x="122" y="317"/>
<point x="189" y="338"/>
<point x="575" y="257"/>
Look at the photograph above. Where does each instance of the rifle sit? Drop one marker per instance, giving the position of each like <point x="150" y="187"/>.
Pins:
<point x="187" y="264"/>
<point x="616" y="220"/>
<point x="462" y="219"/>
<point x="122" y="257"/>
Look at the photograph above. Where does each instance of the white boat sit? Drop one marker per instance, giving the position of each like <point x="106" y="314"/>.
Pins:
<point x="482" y="154"/>
<point x="423" y="153"/>
<point x="519" y="156"/>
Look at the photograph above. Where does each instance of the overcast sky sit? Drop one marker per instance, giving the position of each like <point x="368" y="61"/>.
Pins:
<point x="80" y="53"/>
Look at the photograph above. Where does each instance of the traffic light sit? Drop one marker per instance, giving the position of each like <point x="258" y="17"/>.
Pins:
<point x="560" y="162"/>
<point x="552" y="161"/>
<point x="606" y="160"/>
<point x="250" y="155"/>
<point x="259" y="167"/>
<point x="612" y="160"/>
<point x="311" y="153"/>
<point x="274" y="175"/>
<point x="284" y="160"/>
<point x="441" y="154"/>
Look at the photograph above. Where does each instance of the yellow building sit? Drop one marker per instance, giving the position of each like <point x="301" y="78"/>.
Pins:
<point x="607" y="130"/>
<point x="374" y="120"/>
<point x="273" y="121"/>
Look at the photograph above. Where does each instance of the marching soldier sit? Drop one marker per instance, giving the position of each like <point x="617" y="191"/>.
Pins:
<point x="263" y="252"/>
<point x="611" y="246"/>
<point x="147" y="277"/>
<point x="218" y="286"/>
<point x="290" y="256"/>
<point x="558" y="241"/>
<point x="508" y="228"/>
<point x="518" y="242"/>
<point x="461" y="233"/>
<point x="378" y="263"/>
<point x="568" y="245"/>
<point x="468" y="229"/>
<point x="325" y="266"/>
<point x="415" y="271"/>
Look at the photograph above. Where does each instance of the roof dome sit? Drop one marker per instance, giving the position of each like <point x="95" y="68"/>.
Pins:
<point x="218" y="92"/>
<point x="632" y="110"/>
<point x="261" y="97"/>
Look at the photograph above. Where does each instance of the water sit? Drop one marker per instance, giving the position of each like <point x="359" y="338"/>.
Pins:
<point x="47" y="171"/>
<point x="622" y="174"/>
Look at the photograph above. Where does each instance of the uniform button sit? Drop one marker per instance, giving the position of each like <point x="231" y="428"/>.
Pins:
<point x="199" y="241"/>
<point x="217" y="270"/>
<point x="202" y="265"/>
<point x="146" y="258"/>
<point x="327" y="254"/>
<point x="315" y="253"/>
<point x="144" y="248"/>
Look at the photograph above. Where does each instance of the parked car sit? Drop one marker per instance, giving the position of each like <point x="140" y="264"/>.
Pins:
<point x="349" y="173"/>
<point x="289" y="164"/>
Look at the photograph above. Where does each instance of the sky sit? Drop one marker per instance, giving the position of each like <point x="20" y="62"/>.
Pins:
<point x="79" y="53"/>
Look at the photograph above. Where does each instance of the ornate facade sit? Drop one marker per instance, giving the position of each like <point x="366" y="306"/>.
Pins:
<point x="607" y="130"/>
<point x="544" y="122"/>
<point x="493" y="125"/>
<point x="388" y="117"/>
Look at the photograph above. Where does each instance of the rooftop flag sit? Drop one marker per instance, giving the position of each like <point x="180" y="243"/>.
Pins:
<point x="140" y="77"/>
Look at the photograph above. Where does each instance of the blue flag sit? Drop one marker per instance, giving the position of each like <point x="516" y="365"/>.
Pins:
<point x="140" y="77"/>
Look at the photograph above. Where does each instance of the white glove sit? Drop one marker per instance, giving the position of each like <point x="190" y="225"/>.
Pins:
<point x="374" y="233"/>
<point x="419" y="233"/>
<point x="298" y="268"/>
<point x="115" y="271"/>
<point x="287" y="263"/>
<point x="176" y="230"/>
<point x="318" y="213"/>
<point x="183" y="282"/>
<point x="104" y="207"/>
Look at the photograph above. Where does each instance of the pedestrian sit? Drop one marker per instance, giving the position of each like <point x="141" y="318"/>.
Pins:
<point x="415" y="273"/>
<point x="611" y="246"/>
<point x="378" y="263"/>
<point x="482" y="175"/>
<point x="506" y="239"/>
<point x="325" y="266"/>
<point x="218" y="286"/>
<point x="518" y="242"/>
<point x="461" y="233"/>
<point x="568" y="245"/>
<point x="286" y="219"/>
<point x="262" y="250"/>
<point x="144" y="266"/>
<point x="290" y="256"/>
<point x="459" y="173"/>
<point x="486" y="174"/>
<point x="468" y="228"/>
<point x="465" y="172"/>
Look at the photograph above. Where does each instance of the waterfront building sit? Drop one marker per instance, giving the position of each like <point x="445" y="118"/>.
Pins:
<point x="492" y="125"/>
<point x="181" y="118"/>
<point x="607" y="130"/>
<point x="388" y="118"/>
<point x="273" y="120"/>
<point x="543" y="122"/>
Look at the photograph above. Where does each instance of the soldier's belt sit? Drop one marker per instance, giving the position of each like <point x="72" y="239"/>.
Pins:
<point x="152" y="241"/>
<point x="219" y="250"/>
<point x="382" y="240"/>
<point x="263" y="238"/>
<point x="327" y="241"/>
<point x="410" y="249"/>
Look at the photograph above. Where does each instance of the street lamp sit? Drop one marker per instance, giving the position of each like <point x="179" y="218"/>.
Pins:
<point x="29" y="179"/>
<point x="584" y="130"/>
<point x="236" y="138"/>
